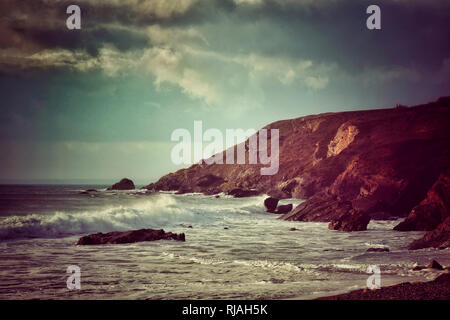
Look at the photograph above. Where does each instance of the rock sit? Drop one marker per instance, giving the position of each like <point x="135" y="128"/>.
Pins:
<point x="322" y="207"/>
<point x="432" y="210"/>
<point x="282" y="209"/>
<point x="271" y="204"/>
<point x="124" y="184"/>
<point x="88" y="191"/>
<point x="117" y="237"/>
<point x="293" y="229"/>
<point x="432" y="265"/>
<point x="240" y="193"/>
<point x="435" y="265"/>
<point x="437" y="238"/>
<point x="377" y="250"/>
<point x="418" y="268"/>
<point x="351" y="221"/>
<point x="190" y="227"/>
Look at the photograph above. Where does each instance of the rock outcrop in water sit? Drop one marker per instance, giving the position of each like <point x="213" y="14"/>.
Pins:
<point x="271" y="204"/>
<point x="437" y="238"/>
<point x="124" y="184"/>
<point x="117" y="237"/>
<point x="350" y="221"/>
<point x="283" y="209"/>
<point x="431" y="214"/>
<point x="379" y="163"/>
<point x="432" y="210"/>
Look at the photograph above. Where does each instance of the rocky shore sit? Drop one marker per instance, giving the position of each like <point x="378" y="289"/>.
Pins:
<point x="350" y="167"/>
<point x="438" y="289"/>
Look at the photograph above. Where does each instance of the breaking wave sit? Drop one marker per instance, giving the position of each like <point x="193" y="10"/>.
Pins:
<point x="156" y="212"/>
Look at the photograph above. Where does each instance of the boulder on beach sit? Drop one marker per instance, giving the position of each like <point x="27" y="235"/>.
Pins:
<point x="124" y="184"/>
<point x="117" y="237"/>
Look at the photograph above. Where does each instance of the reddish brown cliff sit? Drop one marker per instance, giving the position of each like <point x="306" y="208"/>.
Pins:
<point x="380" y="163"/>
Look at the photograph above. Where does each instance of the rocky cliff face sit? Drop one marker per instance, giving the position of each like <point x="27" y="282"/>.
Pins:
<point x="380" y="163"/>
<point x="432" y="210"/>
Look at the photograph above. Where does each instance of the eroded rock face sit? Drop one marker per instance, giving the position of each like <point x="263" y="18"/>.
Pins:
<point x="437" y="238"/>
<point x="350" y="221"/>
<point x="124" y="184"/>
<point x="434" y="209"/>
<point x="322" y="207"/>
<point x="344" y="136"/>
<point x="117" y="237"/>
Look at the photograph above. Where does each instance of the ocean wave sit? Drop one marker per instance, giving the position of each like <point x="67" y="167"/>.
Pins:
<point x="155" y="212"/>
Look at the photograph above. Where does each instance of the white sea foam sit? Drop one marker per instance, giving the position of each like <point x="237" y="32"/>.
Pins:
<point x="155" y="212"/>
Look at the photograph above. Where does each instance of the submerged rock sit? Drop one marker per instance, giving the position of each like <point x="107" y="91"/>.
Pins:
<point x="117" y="237"/>
<point x="377" y="250"/>
<point x="124" y="184"/>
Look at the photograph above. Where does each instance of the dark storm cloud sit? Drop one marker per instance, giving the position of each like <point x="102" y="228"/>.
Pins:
<point x="413" y="32"/>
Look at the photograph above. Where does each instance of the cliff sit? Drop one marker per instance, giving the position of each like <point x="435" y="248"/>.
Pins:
<point x="380" y="163"/>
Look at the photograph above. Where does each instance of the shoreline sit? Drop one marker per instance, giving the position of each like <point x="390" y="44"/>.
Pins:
<point x="437" y="289"/>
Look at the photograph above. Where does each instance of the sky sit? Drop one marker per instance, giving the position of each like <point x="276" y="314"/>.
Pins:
<point x="100" y="103"/>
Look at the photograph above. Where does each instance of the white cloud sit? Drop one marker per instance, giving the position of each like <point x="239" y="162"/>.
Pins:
<point x="167" y="66"/>
<point x="316" y="82"/>
<point x="249" y="2"/>
<point x="288" y="71"/>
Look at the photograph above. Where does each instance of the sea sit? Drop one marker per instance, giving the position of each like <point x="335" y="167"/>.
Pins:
<point x="234" y="249"/>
